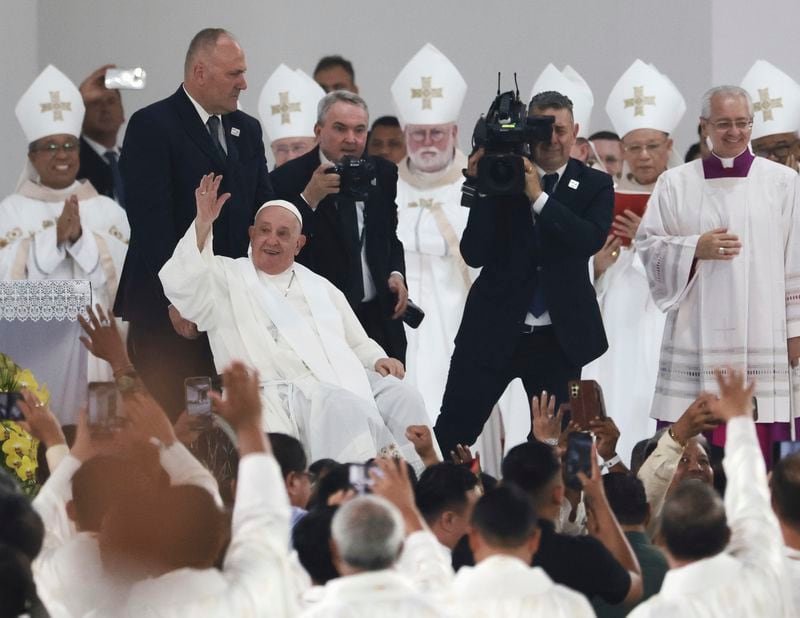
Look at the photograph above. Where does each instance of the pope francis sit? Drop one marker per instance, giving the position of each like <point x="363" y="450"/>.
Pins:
<point x="323" y="379"/>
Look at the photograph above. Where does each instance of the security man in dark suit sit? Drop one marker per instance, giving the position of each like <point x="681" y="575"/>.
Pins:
<point x="353" y="243"/>
<point x="532" y="313"/>
<point x="168" y="147"/>
<point x="99" y="154"/>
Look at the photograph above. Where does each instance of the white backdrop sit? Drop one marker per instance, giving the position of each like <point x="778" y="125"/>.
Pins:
<point x="695" y="42"/>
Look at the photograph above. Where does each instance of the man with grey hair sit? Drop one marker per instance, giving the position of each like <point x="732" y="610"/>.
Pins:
<point x="351" y="227"/>
<point x="168" y="147"/>
<point x="388" y="560"/>
<point x="719" y="245"/>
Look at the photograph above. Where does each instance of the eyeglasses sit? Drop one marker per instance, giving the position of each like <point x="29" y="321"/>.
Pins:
<point x="435" y="135"/>
<point x="727" y="125"/>
<point x="637" y="149"/>
<point x="779" y="152"/>
<point x="52" y="148"/>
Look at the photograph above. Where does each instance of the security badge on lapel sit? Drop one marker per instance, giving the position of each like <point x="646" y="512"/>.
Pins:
<point x="573" y="184"/>
<point x="235" y="131"/>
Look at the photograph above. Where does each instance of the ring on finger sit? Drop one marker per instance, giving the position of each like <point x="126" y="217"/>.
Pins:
<point x="721" y="250"/>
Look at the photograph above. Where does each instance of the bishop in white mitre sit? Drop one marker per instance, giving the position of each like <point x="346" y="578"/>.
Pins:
<point x="53" y="226"/>
<point x="324" y="380"/>
<point x="720" y="245"/>
<point x="287" y="107"/>
<point x="645" y="107"/>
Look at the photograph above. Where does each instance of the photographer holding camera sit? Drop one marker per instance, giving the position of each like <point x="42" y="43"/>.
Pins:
<point x="536" y="216"/>
<point x="350" y="218"/>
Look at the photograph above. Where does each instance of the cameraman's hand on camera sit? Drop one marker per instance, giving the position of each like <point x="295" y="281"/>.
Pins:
<point x="397" y="285"/>
<point x="472" y="163"/>
<point x="533" y="187"/>
<point x="321" y="185"/>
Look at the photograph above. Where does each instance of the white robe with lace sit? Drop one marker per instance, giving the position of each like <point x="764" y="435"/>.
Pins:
<point x="738" y="312"/>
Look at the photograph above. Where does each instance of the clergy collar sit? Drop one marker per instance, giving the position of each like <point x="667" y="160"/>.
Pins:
<point x="715" y="166"/>
<point x="35" y="191"/>
<point x="204" y="115"/>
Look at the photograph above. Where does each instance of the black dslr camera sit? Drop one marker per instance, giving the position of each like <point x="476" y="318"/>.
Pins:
<point x="507" y="134"/>
<point x="356" y="177"/>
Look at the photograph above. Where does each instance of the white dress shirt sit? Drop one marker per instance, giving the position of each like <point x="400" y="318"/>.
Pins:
<point x="504" y="586"/>
<point x="204" y="116"/>
<point x="536" y="210"/>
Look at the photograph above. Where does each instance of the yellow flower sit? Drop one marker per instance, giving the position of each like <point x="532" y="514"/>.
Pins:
<point x="26" y="379"/>
<point x="17" y="445"/>
<point x="24" y="466"/>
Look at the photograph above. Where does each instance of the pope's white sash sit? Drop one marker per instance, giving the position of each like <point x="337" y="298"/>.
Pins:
<point x="328" y="356"/>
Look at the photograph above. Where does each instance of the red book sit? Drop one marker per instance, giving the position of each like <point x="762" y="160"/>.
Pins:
<point x="634" y="201"/>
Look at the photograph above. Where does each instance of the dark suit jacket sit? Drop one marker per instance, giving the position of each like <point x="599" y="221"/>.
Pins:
<point x="326" y="251"/>
<point x="96" y="170"/>
<point x="500" y="237"/>
<point x="167" y="149"/>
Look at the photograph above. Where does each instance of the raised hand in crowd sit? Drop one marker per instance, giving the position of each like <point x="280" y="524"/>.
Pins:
<point x="148" y="419"/>
<point x="421" y="437"/>
<point x="607" y="434"/>
<point x="462" y="455"/>
<point x="188" y="428"/>
<point x="697" y="418"/>
<point x="103" y="339"/>
<point x="609" y="254"/>
<point x="40" y="421"/>
<point x="241" y="407"/>
<point x="545" y="422"/>
<point x="603" y="525"/>
<point x="735" y="395"/>
<point x="392" y="483"/>
<point x="94" y="86"/>
<point x="68" y="225"/>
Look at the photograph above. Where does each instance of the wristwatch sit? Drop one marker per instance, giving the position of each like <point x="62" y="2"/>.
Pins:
<point x="128" y="383"/>
<point x="612" y="462"/>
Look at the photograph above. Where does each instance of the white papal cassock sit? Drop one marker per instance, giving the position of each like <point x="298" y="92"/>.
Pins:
<point x="315" y="360"/>
<point x="28" y="248"/>
<point x="737" y="312"/>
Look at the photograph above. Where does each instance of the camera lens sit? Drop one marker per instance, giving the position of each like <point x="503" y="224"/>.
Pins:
<point x="501" y="172"/>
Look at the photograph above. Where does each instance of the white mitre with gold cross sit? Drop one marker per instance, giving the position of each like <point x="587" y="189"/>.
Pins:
<point x="644" y="98"/>
<point x="429" y="89"/>
<point x="288" y="104"/>
<point x="52" y="105"/>
<point x="569" y="83"/>
<point x="776" y="100"/>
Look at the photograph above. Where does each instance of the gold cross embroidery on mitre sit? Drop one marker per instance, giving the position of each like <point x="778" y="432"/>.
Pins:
<point x="56" y="105"/>
<point x="639" y="100"/>
<point x="765" y="105"/>
<point x="285" y="107"/>
<point x="427" y="93"/>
